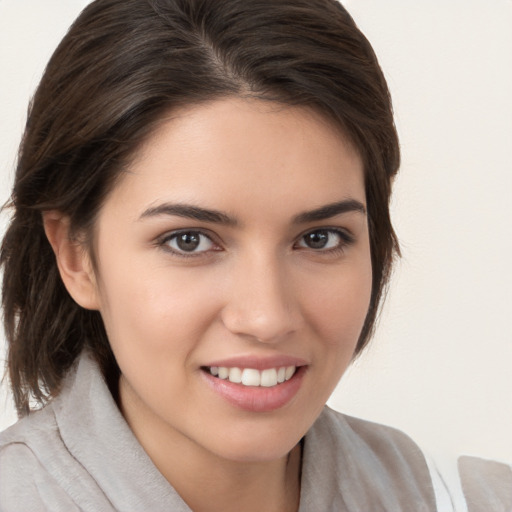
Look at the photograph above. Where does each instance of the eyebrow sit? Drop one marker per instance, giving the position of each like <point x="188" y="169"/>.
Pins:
<point x="330" y="210"/>
<point x="218" y="217"/>
<point x="190" y="212"/>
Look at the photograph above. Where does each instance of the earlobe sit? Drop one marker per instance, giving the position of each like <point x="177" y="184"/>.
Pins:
<point x="73" y="260"/>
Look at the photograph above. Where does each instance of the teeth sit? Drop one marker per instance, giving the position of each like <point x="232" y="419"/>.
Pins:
<point x="223" y="372"/>
<point x="235" y="375"/>
<point x="251" y="377"/>
<point x="269" y="378"/>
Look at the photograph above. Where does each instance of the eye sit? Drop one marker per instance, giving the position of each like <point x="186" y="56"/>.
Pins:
<point x="324" y="240"/>
<point x="188" y="242"/>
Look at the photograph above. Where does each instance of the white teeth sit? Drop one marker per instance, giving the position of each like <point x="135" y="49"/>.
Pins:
<point x="223" y="372"/>
<point x="269" y="378"/>
<point x="235" y="375"/>
<point x="251" y="377"/>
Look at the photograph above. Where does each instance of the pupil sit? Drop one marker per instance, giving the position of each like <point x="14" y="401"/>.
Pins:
<point x="317" y="240"/>
<point x="188" y="241"/>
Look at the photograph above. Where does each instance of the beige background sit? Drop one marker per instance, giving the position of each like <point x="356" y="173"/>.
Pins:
<point x="440" y="367"/>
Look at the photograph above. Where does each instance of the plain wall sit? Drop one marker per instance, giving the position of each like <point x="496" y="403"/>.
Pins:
<point x="440" y="363"/>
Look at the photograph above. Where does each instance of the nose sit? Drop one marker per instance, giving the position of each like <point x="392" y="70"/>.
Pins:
<point x="262" y="304"/>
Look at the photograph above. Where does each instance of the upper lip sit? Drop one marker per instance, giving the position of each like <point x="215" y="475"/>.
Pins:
<point x="258" y="362"/>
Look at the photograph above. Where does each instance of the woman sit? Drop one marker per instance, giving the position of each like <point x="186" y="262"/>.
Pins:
<point x="199" y="244"/>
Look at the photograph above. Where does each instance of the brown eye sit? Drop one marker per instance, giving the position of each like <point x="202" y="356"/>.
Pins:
<point x="189" y="242"/>
<point x="317" y="239"/>
<point x="324" y="240"/>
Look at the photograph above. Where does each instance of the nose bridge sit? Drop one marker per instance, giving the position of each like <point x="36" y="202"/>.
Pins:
<point x="261" y="303"/>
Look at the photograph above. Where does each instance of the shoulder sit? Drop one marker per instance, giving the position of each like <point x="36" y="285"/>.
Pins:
<point x="39" y="473"/>
<point x="18" y="491"/>
<point x="384" y="443"/>
<point x="36" y="433"/>
<point x="386" y="458"/>
<point x="486" y="484"/>
<point x="25" y="483"/>
<point x="367" y="464"/>
<point x="37" y="423"/>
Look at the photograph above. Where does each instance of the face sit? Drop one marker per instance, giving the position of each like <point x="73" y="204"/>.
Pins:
<point x="234" y="276"/>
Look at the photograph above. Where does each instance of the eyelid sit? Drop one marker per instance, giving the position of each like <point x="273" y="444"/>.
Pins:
<point x="162" y="242"/>
<point x="347" y="238"/>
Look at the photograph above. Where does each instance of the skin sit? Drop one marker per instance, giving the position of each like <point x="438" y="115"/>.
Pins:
<point x="254" y="288"/>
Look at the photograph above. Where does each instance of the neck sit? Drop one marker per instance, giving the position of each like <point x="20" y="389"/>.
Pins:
<point x="228" y="486"/>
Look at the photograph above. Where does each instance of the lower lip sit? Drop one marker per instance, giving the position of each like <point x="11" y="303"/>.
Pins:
<point x="257" y="398"/>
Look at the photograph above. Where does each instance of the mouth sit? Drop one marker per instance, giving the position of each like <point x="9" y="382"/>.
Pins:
<point x="270" y="386"/>
<point x="251" y="377"/>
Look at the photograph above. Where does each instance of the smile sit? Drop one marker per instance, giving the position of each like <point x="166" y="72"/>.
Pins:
<point x="254" y="390"/>
<point x="267" y="378"/>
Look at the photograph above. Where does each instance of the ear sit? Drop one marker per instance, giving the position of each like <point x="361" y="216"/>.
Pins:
<point x="73" y="260"/>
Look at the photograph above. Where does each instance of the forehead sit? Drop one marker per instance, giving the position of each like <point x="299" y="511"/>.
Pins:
<point x="233" y="153"/>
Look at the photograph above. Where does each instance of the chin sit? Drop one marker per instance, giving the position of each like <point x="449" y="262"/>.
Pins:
<point x="259" y="448"/>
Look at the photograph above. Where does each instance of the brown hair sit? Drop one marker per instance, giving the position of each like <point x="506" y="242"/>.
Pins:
<point x="120" y="68"/>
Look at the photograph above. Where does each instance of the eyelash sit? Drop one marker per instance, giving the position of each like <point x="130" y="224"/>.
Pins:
<point x="168" y="238"/>
<point x="345" y="240"/>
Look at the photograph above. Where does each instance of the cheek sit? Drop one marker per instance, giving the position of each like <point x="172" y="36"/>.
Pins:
<point x="338" y="305"/>
<point x="156" y="308"/>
